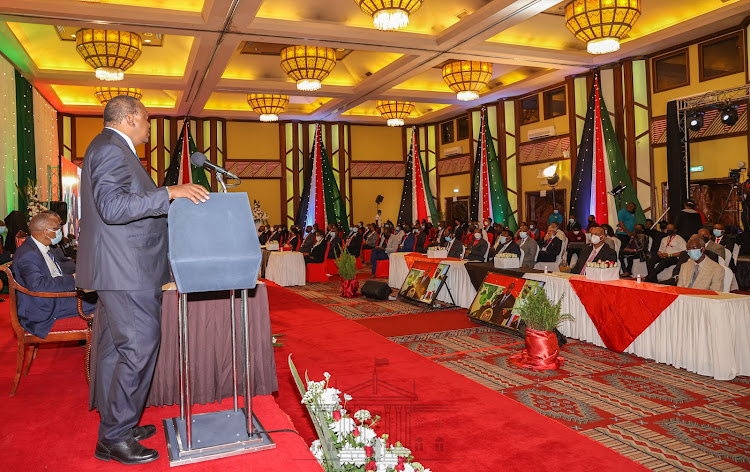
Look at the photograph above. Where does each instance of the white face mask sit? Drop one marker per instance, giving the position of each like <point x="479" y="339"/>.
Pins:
<point x="318" y="238"/>
<point x="477" y="236"/>
<point x="576" y="232"/>
<point x="595" y="239"/>
<point x="503" y="239"/>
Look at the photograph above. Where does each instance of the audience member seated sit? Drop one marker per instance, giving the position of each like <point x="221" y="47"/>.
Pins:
<point x="294" y="237"/>
<point x="720" y="237"/>
<point x="478" y="250"/>
<point x="636" y="247"/>
<point x="318" y="252"/>
<point x="335" y="240"/>
<point x="528" y="245"/>
<point x="387" y="244"/>
<point x="572" y="221"/>
<point x="439" y="234"/>
<point x="555" y="217"/>
<point x="688" y="221"/>
<point x="35" y="268"/>
<point x="410" y="241"/>
<point x="711" y="245"/>
<point x="275" y="234"/>
<point x="595" y="252"/>
<point x="263" y="234"/>
<point x="683" y="258"/>
<point x="354" y="241"/>
<point x="454" y="246"/>
<point x="459" y="229"/>
<point x="504" y="244"/>
<point x="309" y="241"/>
<point x="671" y="247"/>
<point x="575" y="235"/>
<point x="371" y="237"/>
<point x="534" y="232"/>
<point x="700" y="272"/>
<point x="422" y="237"/>
<point x="551" y="246"/>
<point x="488" y="228"/>
<point x="657" y="234"/>
<point x="591" y="223"/>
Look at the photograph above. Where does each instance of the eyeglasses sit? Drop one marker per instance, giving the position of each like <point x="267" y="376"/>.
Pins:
<point x="57" y="228"/>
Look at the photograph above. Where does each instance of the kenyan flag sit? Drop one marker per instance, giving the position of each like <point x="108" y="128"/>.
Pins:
<point x="180" y="170"/>
<point x="416" y="199"/>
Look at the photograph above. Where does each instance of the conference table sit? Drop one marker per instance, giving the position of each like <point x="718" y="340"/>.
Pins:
<point x="286" y="268"/>
<point x="703" y="332"/>
<point x="209" y="330"/>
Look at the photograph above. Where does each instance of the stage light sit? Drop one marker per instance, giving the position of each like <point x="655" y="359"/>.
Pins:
<point x="695" y="121"/>
<point x="729" y="115"/>
<point x="550" y="171"/>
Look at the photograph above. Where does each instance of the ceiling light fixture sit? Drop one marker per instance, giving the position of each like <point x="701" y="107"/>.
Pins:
<point x="601" y="24"/>
<point x="394" y="111"/>
<point x="729" y="115"/>
<point x="105" y="94"/>
<point x="389" y="15"/>
<point x="467" y="78"/>
<point x="110" y="53"/>
<point x="267" y="105"/>
<point x="308" y="65"/>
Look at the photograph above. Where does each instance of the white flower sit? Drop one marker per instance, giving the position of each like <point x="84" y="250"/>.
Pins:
<point x="408" y="468"/>
<point x="342" y="427"/>
<point x="347" y="397"/>
<point x="366" y="435"/>
<point x="317" y="450"/>
<point x="329" y="399"/>
<point x="327" y="375"/>
<point x="352" y="455"/>
<point x="387" y="460"/>
<point x="400" y="450"/>
<point x="362" y="415"/>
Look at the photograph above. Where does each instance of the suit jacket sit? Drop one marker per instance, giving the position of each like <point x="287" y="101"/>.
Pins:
<point x="308" y="242"/>
<point x="605" y="253"/>
<point x="335" y="241"/>
<point x="354" y="244"/>
<point x="726" y="240"/>
<point x="710" y="275"/>
<point x="549" y="252"/>
<point x="455" y="249"/>
<point x="30" y="270"/>
<point x="479" y="251"/>
<point x="318" y="253"/>
<point x="407" y="245"/>
<point x="123" y="242"/>
<point x="530" y="247"/>
<point x="421" y="240"/>
<point x="263" y="237"/>
<point x="512" y="248"/>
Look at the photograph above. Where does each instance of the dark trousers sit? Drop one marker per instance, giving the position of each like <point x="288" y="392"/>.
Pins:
<point x="656" y="265"/>
<point x="627" y="262"/>
<point x="624" y="240"/>
<point x="129" y="338"/>
<point x="377" y="255"/>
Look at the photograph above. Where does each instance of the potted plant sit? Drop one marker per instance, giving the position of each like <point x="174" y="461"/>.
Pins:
<point x="541" y="317"/>
<point x="347" y="266"/>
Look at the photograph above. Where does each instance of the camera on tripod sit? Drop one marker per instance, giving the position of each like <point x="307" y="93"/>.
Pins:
<point x="736" y="174"/>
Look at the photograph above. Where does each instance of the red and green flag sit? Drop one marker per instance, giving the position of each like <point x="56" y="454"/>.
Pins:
<point x="180" y="170"/>
<point x="417" y="202"/>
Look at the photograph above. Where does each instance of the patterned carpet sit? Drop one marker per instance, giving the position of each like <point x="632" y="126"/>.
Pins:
<point x="664" y="418"/>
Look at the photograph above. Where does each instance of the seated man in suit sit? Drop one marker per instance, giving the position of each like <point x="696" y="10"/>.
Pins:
<point x="528" y="245"/>
<point x="410" y="241"/>
<point x="479" y="248"/>
<point x="262" y="234"/>
<point x="370" y="237"/>
<point x="35" y="268"/>
<point x="595" y="252"/>
<point x="452" y="244"/>
<point x="274" y="235"/>
<point x="550" y="248"/>
<point x="335" y="240"/>
<point x="699" y="271"/>
<point x="308" y="242"/>
<point x="422" y="236"/>
<point x="354" y="241"/>
<point x="318" y="252"/>
<point x="720" y="237"/>
<point x="504" y="244"/>
<point x="711" y="245"/>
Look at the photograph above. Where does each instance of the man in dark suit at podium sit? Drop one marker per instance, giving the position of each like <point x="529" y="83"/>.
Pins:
<point x="123" y="256"/>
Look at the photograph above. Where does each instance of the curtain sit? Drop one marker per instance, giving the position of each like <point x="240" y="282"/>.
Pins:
<point x="47" y="148"/>
<point x="8" y="141"/>
<point x="25" y="134"/>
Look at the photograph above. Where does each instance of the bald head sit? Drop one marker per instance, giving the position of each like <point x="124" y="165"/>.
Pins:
<point x="42" y="221"/>
<point x="704" y="233"/>
<point x="696" y="242"/>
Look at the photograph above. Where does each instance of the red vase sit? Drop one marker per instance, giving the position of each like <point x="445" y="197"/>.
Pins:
<point x="542" y="351"/>
<point x="349" y="288"/>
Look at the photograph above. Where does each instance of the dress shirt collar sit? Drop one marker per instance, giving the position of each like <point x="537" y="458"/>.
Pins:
<point x="126" y="138"/>
<point x="42" y="248"/>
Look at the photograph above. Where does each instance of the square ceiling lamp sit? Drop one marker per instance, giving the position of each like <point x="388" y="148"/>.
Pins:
<point x="110" y="53"/>
<point x="394" y="111"/>
<point x="389" y="15"/>
<point x="308" y="65"/>
<point x="267" y="105"/>
<point x="601" y="24"/>
<point x="467" y="78"/>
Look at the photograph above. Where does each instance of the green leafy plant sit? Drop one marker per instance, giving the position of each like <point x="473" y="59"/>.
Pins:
<point x="539" y="313"/>
<point x="347" y="265"/>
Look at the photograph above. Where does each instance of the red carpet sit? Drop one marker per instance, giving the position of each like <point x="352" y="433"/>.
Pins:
<point x="416" y="323"/>
<point x="47" y="426"/>
<point x="449" y="422"/>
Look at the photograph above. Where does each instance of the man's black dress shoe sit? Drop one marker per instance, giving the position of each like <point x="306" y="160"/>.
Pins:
<point x="143" y="432"/>
<point x="125" y="452"/>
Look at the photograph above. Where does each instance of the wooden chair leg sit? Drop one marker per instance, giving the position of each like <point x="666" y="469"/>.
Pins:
<point x="20" y="357"/>
<point x="34" y="348"/>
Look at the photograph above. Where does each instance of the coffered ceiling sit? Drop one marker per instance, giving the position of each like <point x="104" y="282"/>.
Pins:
<point x="202" y="57"/>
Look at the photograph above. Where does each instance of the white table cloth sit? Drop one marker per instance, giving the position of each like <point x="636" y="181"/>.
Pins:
<point x="286" y="268"/>
<point x="705" y="334"/>
<point x="457" y="281"/>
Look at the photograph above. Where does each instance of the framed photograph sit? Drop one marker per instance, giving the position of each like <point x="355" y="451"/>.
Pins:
<point x="423" y="282"/>
<point x="497" y="299"/>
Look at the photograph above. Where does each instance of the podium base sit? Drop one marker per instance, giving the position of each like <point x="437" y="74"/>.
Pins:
<point x="215" y="435"/>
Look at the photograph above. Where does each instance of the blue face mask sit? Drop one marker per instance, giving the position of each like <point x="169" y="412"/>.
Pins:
<point x="3" y="229"/>
<point x="694" y="254"/>
<point x="58" y="237"/>
<point x="448" y="238"/>
<point x="718" y="233"/>
<point x="503" y="239"/>
<point x="523" y="234"/>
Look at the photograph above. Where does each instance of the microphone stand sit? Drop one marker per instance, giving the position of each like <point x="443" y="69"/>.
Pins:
<point x="220" y="179"/>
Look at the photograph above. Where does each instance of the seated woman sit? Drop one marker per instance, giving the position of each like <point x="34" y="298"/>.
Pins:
<point x="318" y="252"/>
<point x="575" y="235"/>
<point x="295" y="236"/>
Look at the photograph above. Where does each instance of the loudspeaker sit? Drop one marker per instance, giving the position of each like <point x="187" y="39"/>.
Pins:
<point x="376" y="290"/>
<point x="61" y="208"/>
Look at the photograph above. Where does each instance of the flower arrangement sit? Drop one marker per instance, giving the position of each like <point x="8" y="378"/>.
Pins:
<point x="603" y="265"/>
<point x="506" y="255"/>
<point x="348" y="442"/>
<point x="259" y="215"/>
<point x="31" y="193"/>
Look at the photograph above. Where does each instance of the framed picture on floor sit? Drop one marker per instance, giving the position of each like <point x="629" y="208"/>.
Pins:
<point x="497" y="299"/>
<point x="423" y="282"/>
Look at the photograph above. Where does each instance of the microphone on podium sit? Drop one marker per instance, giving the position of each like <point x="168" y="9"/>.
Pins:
<point x="200" y="160"/>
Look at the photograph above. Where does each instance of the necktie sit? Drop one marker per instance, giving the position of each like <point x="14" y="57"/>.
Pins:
<point x="593" y="254"/>
<point x="52" y="258"/>
<point x="695" y="275"/>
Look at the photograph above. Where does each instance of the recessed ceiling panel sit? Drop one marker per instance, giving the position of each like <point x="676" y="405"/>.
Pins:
<point x="182" y="5"/>
<point x="76" y="95"/>
<point x="232" y="101"/>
